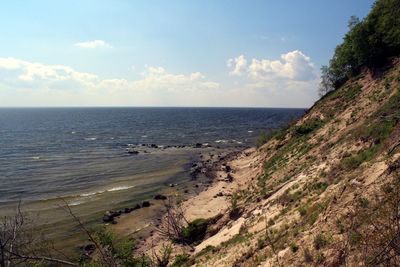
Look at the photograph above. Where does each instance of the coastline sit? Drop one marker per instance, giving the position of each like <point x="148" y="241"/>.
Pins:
<point x="141" y="224"/>
<point x="226" y="175"/>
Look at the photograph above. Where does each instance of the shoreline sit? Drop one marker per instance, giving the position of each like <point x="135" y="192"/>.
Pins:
<point x="211" y="202"/>
<point x="203" y="175"/>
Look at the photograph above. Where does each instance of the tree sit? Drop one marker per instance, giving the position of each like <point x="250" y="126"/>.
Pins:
<point x="353" y="21"/>
<point x="325" y="85"/>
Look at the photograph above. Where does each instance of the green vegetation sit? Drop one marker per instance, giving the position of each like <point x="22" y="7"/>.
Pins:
<point x="234" y="210"/>
<point x="320" y="241"/>
<point x="262" y="139"/>
<point x="309" y="126"/>
<point x="195" y="231"/>
<point x="368" y="43"/>
<point x="352" y="162"/>
<point x="181" y="260"/>
<point x="307" y="255"/>
<point x="294" y="248"/>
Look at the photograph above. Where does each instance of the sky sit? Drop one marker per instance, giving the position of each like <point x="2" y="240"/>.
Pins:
<point x="226" y="53"/>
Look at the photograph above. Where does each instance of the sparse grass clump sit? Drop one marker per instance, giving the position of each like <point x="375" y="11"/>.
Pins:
<point x="262" y="139"/>
<point x="307" y="255"/>
<point x="320" y="241"/>
<point x="294" y="248"/>
<point x="309" y="126"/>
<point x="181" y="260"/>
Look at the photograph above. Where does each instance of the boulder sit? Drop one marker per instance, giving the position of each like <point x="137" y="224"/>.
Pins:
<point x="108" y="219"/>
<point x="132" y="151"/>
<point x="145" y="204"/>
<point x="88" y="249"/>
<point x="198" y="145"/>
<point x="128" y="210"/>
<point x="136" y="207"/>
<point x="160" y="197"/>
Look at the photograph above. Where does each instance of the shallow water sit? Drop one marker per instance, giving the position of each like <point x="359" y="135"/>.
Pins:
<point x="51" y="152"/>
<point x="80" y="154"/>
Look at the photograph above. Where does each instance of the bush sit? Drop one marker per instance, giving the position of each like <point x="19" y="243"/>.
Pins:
<point x="181" y="260"/>
<point x="195" y="231"/>
<point x="262" y="139"/>
<point x="307" y="255"/>
<point x="234" y="210"/>
<point x="320" y="241"/>
<point x="294" y="248"/>
<point x="308" y="126"/>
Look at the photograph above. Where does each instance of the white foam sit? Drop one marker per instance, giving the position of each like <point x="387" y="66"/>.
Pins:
<point x="119" y="188"/>
<point x="221" y="141"/>
<point x="73" y="132"/>
<point x="90" y="138"/>
<point x="144" y="136"/>
<point x="249" y="131"/>
<point x="91" y="194"/>
<point x="75" y="203"/>
<point x="35" y="158"/>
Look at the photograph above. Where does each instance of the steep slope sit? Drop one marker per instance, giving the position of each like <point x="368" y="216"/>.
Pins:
<point x="324" y="191"/>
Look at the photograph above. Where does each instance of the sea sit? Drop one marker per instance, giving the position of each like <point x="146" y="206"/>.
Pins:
<point x="84" y="155"/>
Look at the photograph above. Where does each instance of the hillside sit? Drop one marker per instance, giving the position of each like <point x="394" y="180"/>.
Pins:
<point x="324" y="191"/>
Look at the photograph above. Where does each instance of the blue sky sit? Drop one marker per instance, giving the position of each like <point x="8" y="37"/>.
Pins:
<point x="168" y="53"/>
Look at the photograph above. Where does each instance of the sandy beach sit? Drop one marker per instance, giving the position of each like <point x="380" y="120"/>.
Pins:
<point x="226" y="174"/>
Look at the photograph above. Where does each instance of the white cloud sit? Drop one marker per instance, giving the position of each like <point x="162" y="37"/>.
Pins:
<point x="293" y="65"/>
<point x="289" y="80"/>
<point x="42" y="84"/>
<point x="239" y="65"/>
<point x="93" y="44"/>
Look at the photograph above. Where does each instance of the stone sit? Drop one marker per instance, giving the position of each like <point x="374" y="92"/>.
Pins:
<point x="160" y="197"/>
<point x="146" y="204"/>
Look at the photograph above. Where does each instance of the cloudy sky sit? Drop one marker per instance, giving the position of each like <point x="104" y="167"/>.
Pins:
<point x="168" y="53"/>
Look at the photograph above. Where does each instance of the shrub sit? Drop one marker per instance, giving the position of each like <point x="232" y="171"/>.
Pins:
<point x="320" y="241"/>
<point x="262" y="139"/>
<point x="234" y="210"/>
<point x="181" y="260"/>
<point x="195" y="230"/>
<point x="307" y="255"/>
<point x="362" y="156"/>
<point x="294" y="248"/>
<point x="308" y="126"/>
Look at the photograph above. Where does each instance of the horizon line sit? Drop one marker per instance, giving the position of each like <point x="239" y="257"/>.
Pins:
<point x="257" y="107"/>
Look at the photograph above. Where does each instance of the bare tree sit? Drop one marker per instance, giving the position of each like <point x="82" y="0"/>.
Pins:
<point x="20" y="244"/>
<point x="173" y="222"/>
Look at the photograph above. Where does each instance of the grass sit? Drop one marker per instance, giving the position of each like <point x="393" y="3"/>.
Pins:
<point x="308" y="126"/>
<point x="181" y="260"/>
<point x="352" y="162"/>
<point x="294" y="248"/>
<point x="320" y="241"/>
<point x="311" y="213"/>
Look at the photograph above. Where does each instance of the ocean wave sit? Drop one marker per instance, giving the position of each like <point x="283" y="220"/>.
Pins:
<point x="91" y="138"/>
<point x="249" y="131"/>
<point x="76" y="203"/>
<point x="221" y="141"/>
<point x="119" y="188"/>
<point x="113" y="189"/>
<point x="91" y="194"/>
